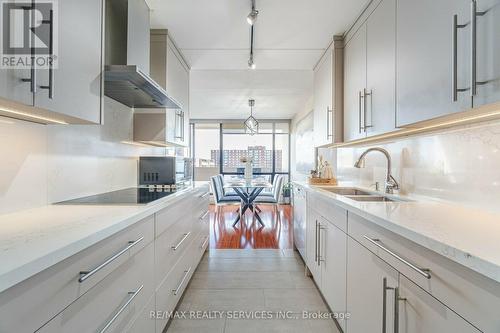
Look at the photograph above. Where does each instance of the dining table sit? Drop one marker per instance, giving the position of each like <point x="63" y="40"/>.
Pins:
<point x="248" y="191"/>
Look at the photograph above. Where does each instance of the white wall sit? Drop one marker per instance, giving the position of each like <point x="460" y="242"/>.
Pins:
<point x="44" y="164"/>
<point x="461" y="165"/>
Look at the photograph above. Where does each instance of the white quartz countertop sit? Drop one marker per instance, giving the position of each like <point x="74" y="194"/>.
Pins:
<point x="467" y="236"/>
<point x="33" y="240"/>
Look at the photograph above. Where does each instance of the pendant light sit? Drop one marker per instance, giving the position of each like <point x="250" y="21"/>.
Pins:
<point x="251" y="124"/>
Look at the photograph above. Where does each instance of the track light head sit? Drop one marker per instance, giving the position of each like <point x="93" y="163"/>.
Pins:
<point x="251" y="63"/>
<point x="252" y="17"/>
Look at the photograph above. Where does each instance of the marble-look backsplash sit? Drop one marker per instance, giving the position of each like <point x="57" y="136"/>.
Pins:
<point x="44" y="164"/>
<point x="460" y="165"/>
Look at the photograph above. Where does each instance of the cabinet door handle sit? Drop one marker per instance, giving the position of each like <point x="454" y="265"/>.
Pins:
<point x="329" y="127"/>
<point x="84" y="275"/>
<point x="204" y="242"/>
<point x="384" y="304"/>
<point x="320" y="257"/>
<point x="397" y="299"/>
<point x="131" y="296"/>
<point x="186" y="273"/>
<point x="50" y="87"/>
<point x="365" y="108"/>
<point x="180" y="116"/>
<point x="473" y="57"/>
<point x="454" y="59"/>
<point x="425" y="272"/>
<point x="175" y="247"/>
<point x="32" y="78"/>
<point x="360" y="97"/>
<point x="202" y="217"/>
<point x="316" y="243"/>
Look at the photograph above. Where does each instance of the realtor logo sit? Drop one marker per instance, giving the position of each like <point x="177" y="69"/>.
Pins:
<point x="28" y="34"/>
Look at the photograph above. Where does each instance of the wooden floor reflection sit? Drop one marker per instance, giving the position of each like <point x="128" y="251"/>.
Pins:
<point x="277" y="232"/>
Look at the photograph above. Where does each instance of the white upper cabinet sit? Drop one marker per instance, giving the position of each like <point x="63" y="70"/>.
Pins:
<point x="74" y="88"/>
<point x="71" y="89"/>
<point x="323" y="99"/>
<point x="355" y="85"/>
<point x="380" y="98"/>
<point x="425" y="49"/>
<point x="370" y="65"/>
<point x="488" y="52"/>
<point x="171" y="72"/>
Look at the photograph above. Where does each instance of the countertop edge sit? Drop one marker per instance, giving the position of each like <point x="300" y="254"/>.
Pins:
<point x="30" y="269"/>
<point x="464" y="258"/>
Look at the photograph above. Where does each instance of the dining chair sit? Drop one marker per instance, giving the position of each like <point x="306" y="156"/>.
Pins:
<point x="220" y="198"/>
<point x="229" y="192"/>
<point x="276" y="192"/>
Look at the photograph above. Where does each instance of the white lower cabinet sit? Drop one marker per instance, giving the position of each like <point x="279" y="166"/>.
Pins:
<point x="370" y="291"/>
<point x="144" y="322"/>
<point x="419" y="312"/>
<point x="362" y="268"/>
<point x="312" y="244"/>
<point x="113" y="303"/>
<point x="119" y="284"/>
<point x="326" y="257"/>
<point x="333" y="267"/>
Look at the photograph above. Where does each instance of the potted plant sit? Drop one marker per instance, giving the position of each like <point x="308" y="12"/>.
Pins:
<point x="287" y="192"/>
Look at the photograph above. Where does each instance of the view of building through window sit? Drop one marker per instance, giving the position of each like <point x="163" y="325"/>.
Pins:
<point x="269" y="149"/>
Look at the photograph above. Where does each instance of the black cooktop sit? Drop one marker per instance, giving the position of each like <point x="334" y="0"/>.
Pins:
<point x="128" y="196"/>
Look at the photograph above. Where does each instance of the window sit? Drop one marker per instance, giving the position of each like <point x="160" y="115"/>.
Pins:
<point x="269" y="149"/>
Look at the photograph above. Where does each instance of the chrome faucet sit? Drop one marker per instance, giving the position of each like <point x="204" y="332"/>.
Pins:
<point x="390" y="183"/>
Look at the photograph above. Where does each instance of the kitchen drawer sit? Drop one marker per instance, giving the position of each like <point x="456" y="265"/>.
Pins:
<point x="326" y="208"/>
<point x="145" y="322"/>
<point x="178" y="210"/>
<point x="113" y="303"/>
<point x="201" y="243"/>
<point x="30" y="304"/>
<point x="201" y="221"/>
<point x="170" y="291"/>
<point x="473" y="296"/>
<point x="171" y="245"/>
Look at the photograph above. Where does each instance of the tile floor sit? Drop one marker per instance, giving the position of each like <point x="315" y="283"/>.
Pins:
<point x="256" y="282"/>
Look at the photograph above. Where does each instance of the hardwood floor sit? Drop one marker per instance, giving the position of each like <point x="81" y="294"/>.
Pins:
<point x="277" y="232"/>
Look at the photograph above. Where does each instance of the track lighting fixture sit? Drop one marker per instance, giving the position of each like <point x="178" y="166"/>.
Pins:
<point x="251" y="20"/>
<point x="251" y="63"/>
<point x="252" y="17"/>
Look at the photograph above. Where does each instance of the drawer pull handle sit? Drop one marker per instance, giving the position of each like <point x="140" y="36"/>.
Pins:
<point x="204" y="195"/>
<point x="202" y="217"/>
<point x="175" y="247"/>
<point x="131" y="296"/>
<point x="186" y="273"/>
<point x="425" y="272"/>
<point x="204" y="242"/>
<point x="84" y="275"/>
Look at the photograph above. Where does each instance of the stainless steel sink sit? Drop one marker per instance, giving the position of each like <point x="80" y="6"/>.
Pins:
<point x="344" y="190"/>
<point x="370" y="198"/>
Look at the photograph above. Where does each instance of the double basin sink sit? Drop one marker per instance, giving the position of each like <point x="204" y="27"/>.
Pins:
<point x="359" y="195"/>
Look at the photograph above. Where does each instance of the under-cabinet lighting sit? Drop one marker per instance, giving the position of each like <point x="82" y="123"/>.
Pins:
<point x="28" y="115"/>
<point x="134" y="143"/>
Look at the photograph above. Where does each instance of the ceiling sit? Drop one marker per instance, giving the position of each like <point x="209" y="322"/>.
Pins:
<point x="290" y="37"/>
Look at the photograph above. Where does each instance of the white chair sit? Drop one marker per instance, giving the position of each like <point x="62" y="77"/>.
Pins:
<point x="219" y="198"/>
<point x="272" y="199"/>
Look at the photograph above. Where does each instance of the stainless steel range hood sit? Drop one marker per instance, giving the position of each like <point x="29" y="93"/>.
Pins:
<point x="127" y="57"/>
<point x="130" y="86"/>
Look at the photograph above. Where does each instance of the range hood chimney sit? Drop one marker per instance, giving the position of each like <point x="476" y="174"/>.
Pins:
<point x="126" y="74"/>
